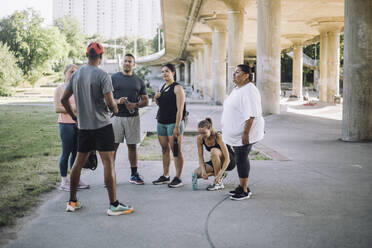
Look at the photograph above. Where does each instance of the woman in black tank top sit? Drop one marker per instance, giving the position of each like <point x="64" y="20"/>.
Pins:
<point x="171" y="101"/>
<point x="222" y="157"/>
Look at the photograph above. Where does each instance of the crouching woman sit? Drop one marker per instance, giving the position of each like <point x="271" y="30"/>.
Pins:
<point x="222" y="156"/>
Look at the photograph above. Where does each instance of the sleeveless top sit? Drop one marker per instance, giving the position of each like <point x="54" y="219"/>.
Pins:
<point x="167" y="111"/>
<point x="209" y="148"/>
<point x="232" y="163"/>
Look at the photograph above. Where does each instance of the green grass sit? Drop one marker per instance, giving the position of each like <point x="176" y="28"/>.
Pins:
<point x="150" y="157"/>
<point x="256" y="155"/>
<point x="29" y="150"/>
<point x="150" y="137"/>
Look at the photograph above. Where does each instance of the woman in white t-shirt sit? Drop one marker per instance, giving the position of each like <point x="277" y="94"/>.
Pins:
<point x="242" y="125"/>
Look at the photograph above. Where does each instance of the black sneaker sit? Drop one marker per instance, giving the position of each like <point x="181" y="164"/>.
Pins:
<point x="232" y="192"/>
<point x="240" y="194"/>
<point x="176" y="182"/>
<point x="161" y="180"/>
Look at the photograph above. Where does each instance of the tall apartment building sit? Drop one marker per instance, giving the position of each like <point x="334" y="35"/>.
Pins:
<point x="112" y="18"/>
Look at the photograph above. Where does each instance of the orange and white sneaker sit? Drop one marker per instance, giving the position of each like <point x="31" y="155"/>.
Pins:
<point x="72" y="206"/>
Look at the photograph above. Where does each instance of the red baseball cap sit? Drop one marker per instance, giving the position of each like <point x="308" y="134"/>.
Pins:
<point x="98" y="48"/>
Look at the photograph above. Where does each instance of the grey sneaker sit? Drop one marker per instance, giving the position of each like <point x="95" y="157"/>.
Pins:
<point x="216" y="186"/>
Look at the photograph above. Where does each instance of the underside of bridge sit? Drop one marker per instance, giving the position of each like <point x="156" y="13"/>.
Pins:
<point x="208" y="38"/>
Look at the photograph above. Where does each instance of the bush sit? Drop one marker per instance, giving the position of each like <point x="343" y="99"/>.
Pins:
<point x="10" y="73"/>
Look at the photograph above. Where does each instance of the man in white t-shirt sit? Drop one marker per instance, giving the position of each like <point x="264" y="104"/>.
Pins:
<point x="242" y="125"/>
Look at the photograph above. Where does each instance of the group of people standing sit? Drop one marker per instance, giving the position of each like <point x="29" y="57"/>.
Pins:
<point x="98" y="112"/>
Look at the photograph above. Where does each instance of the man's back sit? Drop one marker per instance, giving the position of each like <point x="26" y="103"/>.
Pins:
<point x="89" y="84"/>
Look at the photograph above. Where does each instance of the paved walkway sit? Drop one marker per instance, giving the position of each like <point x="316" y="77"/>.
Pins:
<point x="319" y="196"/>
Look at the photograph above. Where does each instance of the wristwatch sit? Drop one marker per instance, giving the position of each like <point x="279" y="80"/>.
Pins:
<point x="137" y="105"/>
<point x="74" y="118"/>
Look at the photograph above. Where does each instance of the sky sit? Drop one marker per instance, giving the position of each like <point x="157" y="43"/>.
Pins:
<point x="44" y="7"/>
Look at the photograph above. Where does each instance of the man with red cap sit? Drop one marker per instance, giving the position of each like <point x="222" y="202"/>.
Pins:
<point x="92" y="89"/>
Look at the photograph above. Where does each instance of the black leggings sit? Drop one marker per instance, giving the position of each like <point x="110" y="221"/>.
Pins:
<point x="242" y="161"/>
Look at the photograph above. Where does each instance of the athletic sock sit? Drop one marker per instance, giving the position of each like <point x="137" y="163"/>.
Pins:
<point x="115" y="204"/>
<point x="134" y="170"/>
<point x="64" y="180"/>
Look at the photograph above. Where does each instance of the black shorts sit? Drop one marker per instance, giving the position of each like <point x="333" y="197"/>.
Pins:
<point x="101" y="139"/>
<point x="231" y="165"/>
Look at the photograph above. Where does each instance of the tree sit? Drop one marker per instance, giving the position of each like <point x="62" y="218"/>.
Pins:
<point x="72" y="29"/>
<point x="10" y="74"/>
<point x="32" y="45"/>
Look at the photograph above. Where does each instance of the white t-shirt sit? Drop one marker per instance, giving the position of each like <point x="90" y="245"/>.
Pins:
<point x="242" y="104"/>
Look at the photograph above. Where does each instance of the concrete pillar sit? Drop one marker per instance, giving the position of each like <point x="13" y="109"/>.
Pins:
<point x="192" y="70"/>
<point x="219" y="49"/>
<point x="268" y="54"/>
<point x="208" y="88"/>
<point x="323" y="67"/>
<point x="316" y="79"/>
<point x="329" y="63"/>
<point x="333" y="64"/>
<point x="201" y="71"/>
<point x="357" y="87"/>
<point x="297" y="65"/>
<point x="187" y="72"/>
<point x="196" y="82"/>
<point x="235" y="37"/>
<point x="297" y="79"/>
<point x="235" y="50"/>
<point x="178" y="72"/>
<point x="207" y="48"/>
<point x="251" y="64"/>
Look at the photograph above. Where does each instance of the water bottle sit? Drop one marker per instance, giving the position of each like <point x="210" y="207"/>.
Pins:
<point x="175" y="147"/>
<point x="194" y="181"/>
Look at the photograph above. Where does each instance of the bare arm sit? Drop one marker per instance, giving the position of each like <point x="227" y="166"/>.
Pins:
<point x="66" y="103"/>
<point x="110" y="101"/>
<point x="180" y="96"/>
<point x="226" y="156"/>
<point x="247" y="128"/>
<point x="142" y="103"/>
<point x="58" y="107"/>
<point x="201" y="157"/>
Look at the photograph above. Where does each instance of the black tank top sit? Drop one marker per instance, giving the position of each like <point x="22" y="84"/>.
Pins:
<point x="209" y="148"/>
<point x="167" y="111"/>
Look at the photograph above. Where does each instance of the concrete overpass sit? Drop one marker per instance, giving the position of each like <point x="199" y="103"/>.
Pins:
<point x="208" y="38"/>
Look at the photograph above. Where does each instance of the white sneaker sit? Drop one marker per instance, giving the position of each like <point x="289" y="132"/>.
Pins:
<point x="83" y="185"/>
<point x="64" y="186"/>
<point x="216" y="186"/>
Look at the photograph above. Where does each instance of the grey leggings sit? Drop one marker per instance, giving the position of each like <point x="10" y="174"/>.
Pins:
<point x="242" y="161"/>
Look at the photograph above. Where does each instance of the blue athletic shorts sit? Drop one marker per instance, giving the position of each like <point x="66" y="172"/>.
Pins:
<point x="167" y="129"/>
